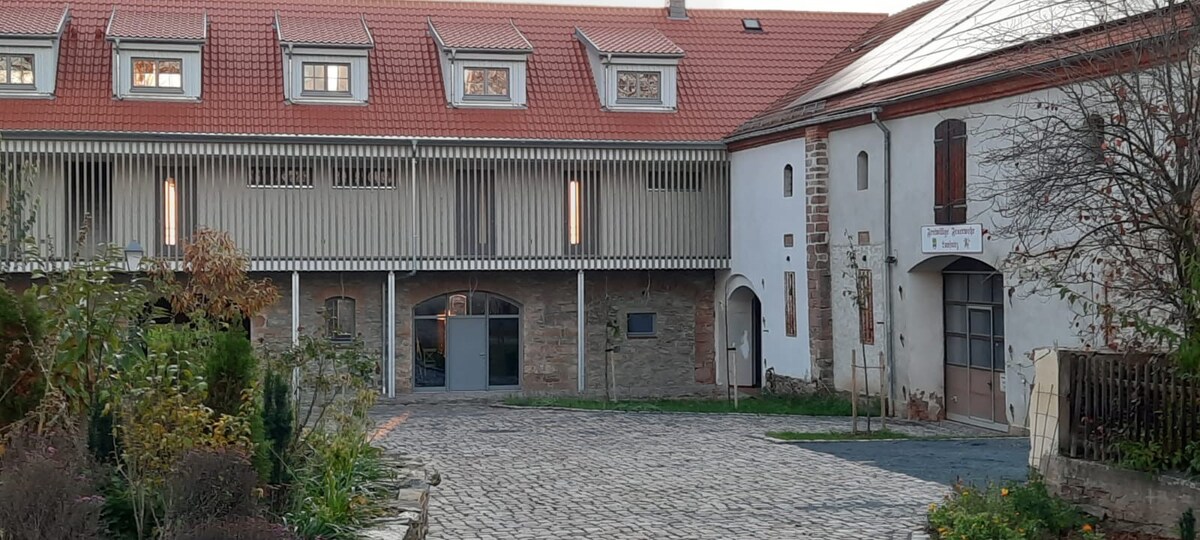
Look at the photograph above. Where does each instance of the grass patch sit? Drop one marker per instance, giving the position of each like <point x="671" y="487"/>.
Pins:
<point x="839" y="435"/>
<point x="816" y="405"/>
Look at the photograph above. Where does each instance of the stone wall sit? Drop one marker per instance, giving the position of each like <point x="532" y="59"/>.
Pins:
<point x="1138" y="501"/>
<point x="678" y="360"/>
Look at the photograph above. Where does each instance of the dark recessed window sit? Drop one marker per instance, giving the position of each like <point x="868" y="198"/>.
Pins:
<point x="752" y="25"/>
<point x="339" y="318"/>
<point x="639" y="325"/>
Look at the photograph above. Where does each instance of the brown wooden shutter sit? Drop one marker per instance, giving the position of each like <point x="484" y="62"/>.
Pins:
<point x="950" y="172"/>
<point x="941" y="155"/>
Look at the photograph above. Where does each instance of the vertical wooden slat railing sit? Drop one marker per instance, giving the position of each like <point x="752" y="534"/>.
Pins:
<point x="1112" y="399"/>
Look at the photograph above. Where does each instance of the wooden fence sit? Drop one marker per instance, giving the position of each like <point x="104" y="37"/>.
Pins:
<point x="1114" y="398"/>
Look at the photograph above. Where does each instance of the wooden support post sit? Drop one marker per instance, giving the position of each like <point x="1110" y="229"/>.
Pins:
<point x="882" y="402"/>
<point x="854" y="390"/>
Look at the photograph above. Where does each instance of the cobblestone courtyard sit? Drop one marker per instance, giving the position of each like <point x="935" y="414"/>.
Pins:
<point x="540" y="474"/>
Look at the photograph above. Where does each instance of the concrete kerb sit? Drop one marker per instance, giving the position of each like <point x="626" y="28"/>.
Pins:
<point x="897" y="439"/>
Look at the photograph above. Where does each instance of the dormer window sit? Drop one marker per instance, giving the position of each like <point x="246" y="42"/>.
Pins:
<point x="16" y="70"/>
<point x="325" y="61"/>
<point x="634" y="69"/>
<point x="157" y="74"/>
<point x="157" y="55"/>
<point x="483" y="65"/>
<point x="29" y="39"/>
<point x="485" y="83"/>
<point x="326" y="79"/>
<point x="639" y="87"/>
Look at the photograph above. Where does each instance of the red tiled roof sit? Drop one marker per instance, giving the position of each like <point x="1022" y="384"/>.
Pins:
<point x="157" y="25"/>
<point x="31" y="20"/>
<point x="786" y="110"/>
<point x="323" y="30"/>
<point x="482" y="36"/>
<point x="635" y="41"/>
<point x="727" y="76"/>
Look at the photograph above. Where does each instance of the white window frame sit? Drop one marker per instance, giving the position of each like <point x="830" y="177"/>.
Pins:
<point x="456" y="85"/>
<point x="506" y="96"/>
<point x="190" y="74"/>
<point x="667" y="81"/>
<point x="349" y="92"/>
<point x="45" y="67"/>
<point x="8" y="69"/>
<point x="133" y="87"/>
<point x="293" y="75"/>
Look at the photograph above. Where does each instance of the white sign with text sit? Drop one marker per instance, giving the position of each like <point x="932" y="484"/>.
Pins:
<point x="966" y="238"/>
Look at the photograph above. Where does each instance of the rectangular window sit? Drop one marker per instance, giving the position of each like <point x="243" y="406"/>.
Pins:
<point x="789" y="240"/>
<point x="485" y="83"/>
<point x="158" y="74"/>
<point x="89" y="206"/>
<point x="865" y="291"/>
<point x="176" y="209"/>
<point x="789" y="305"/>
<point x="363" y="178"/>
<point x="322" y="78"/>
<point x="16" y="70"/>
<point x="639" y="325"/>
<point x="582" y="212"/>
<point x="639" y="86"/>
<point x="673" y="180"/>
<point x="475" y="194"/>
<point x="280" y="177"/>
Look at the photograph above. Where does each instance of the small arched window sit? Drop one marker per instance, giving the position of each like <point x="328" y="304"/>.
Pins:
<point x="950" y="172"/>
<point x="864" y="171"/>
<point x="339" y="318"/>
<point x="787" y="181"/>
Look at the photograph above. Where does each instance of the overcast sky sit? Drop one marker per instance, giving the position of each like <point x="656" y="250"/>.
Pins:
<point x="872" y="6"/>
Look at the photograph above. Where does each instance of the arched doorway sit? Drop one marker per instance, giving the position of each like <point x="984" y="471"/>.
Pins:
<point x="467" y="341"/>
<point x="973" y="325"/>
<point x="743" y="322"/>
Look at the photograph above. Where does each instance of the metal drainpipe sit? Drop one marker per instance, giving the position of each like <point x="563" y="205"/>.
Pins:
<point x="889" y="259"/>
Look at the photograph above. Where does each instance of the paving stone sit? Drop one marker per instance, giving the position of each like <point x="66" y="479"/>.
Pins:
<point x="539" y="474"/>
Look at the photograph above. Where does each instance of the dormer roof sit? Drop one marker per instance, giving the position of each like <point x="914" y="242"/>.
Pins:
<point x="323" y="32"/>
<point x="629" y="42"/>
<point x="158" y="26"/>
<point x="31" y="21"/>
<point x="477" y="36"/>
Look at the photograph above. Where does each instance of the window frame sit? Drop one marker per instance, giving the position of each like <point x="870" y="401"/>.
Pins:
<point x="485" y="97"/>
<point x="638" y="100"/>
<point x="950" y="172"/>
<point x="156" y="89"/>
<point x="863" y="170"/>
<point x="653" y="333"/>
<point x="589" y="199"/>
<point x="789" y="181"/>
<point x="8" y="70"/>
<point x="334" y="330"/>
<point x="325" y="65"/>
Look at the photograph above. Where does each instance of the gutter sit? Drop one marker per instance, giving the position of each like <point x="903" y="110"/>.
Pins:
<point x="122" y="136"/>
<point x="889" y="260"/>
<point x="813" y="121"/>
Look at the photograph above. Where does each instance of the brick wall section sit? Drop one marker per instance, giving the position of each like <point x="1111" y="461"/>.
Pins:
<point x="679" y="360"/>
<point x="820" y="302"/>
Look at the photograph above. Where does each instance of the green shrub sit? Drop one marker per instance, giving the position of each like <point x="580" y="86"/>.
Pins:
<point x="1008" y="512"/>
<point x="230" y="370"/>
<point x="22" y="381"/>
<point x="278" y="425"/>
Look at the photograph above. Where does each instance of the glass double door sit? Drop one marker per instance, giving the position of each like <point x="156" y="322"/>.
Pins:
<point x="467" y="341"/>
<point x="974" y="347"/>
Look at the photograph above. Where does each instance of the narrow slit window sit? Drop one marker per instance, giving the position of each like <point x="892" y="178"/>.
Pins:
<point x="170" y="212"/>
<point x="574" y="212"/>
<point x="789" y="307"/>
<point x="16" y="70"/>
<point x="581" y="212"/>
<point x="321" y="78"/>
<point x="864" y="171"/>
<point x="157" y="74"/>
<point x="788" y="181"/>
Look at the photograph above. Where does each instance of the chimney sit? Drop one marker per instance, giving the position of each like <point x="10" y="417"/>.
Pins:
<point x="677" y="10"/>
